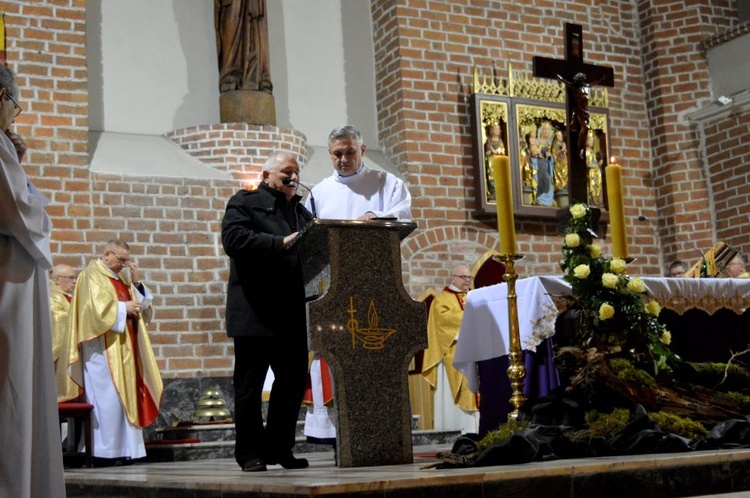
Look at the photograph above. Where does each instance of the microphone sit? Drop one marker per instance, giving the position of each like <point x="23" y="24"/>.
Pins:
<point x="288" y="181"/>
<point x="670" y="231"/>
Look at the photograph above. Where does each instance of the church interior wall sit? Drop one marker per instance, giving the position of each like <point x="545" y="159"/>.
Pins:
<point x="677" y="82"/>
<point x="424" y="54"/>
<point x="726" y="154"/>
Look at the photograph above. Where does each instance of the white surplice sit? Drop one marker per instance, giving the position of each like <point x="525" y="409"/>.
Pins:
<point x="31" y="461"/>
<point x="347" y="198"/>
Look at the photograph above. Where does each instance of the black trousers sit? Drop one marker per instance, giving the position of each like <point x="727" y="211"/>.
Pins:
<point x="252" y="358"/>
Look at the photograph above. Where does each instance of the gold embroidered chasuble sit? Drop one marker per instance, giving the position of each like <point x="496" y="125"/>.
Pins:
<point x="129" y="354"/>
<point x="443" y="323"/>
<point x="62" y="344"/>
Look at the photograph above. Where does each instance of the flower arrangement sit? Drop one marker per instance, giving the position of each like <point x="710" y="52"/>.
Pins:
<point x="614" y="314"/>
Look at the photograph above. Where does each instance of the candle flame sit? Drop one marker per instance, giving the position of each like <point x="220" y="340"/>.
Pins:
<point x="612" y="160"/>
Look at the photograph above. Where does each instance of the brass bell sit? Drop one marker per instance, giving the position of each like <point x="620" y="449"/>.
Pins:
<point x="211" y="408"/>
<point x="209" y="402"/>
<point x="212" y="413"/>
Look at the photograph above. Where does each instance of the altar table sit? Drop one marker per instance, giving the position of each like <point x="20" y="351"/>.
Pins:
<point x="707" y="318"/>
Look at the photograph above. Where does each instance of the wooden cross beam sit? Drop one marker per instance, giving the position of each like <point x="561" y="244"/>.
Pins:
<point x="578" y="78"/>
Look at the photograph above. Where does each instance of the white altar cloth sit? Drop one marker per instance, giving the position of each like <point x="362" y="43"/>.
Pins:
<point x="484" y="328"/>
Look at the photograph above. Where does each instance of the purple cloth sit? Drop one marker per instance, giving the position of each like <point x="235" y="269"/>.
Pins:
<point x="495" y="390"/>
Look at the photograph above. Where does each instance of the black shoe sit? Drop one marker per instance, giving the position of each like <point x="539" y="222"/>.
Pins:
<point x="288" y="462"/>
<point x="254" y="465"/>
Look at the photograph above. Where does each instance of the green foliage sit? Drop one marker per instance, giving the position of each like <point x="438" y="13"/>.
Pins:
<point x="742" y="399"/>
<point x="614" y="313"/>
<point x="607" y="424"/>
<point x="674" y="424"/>
<point x="503" y="432"/>
<point x="627" y="372"/>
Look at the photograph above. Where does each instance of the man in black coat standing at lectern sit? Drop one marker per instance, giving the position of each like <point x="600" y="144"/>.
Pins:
<point x="265" y="313"/>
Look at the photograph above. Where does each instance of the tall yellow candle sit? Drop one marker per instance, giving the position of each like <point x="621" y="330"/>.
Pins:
<point x="504" y="197"/>
<point x="616" y="210"/>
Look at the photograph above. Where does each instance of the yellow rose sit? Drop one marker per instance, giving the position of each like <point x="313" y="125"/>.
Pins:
<point x="606" y="311"/>
<point x="578" y="210"/>
<point x="595" y="250"/>
<point x="610" y="280"/>
<point x="636" y="285"/>
<point x="581" y="271"/>
<point x="572" y="240"/>
<point x="617" y="265"/>
<point x="666" y="337"/>
<point x="653" y="308"/>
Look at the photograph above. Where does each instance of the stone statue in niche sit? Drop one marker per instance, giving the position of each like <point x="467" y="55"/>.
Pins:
<point x="493" y="146"/>
<point x="594" y="163"/>
<point x="242" y="45"/>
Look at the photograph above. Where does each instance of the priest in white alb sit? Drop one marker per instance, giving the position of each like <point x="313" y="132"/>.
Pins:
<point x="352" y="192"/>
<point x="30" y="450"/>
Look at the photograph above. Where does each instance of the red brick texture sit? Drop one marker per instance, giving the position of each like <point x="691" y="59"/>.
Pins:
<point x="425" y="51"/>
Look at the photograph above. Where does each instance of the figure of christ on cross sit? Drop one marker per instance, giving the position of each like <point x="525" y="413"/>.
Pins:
<point x="578" y="78"/>
<point x="579" y="90"/>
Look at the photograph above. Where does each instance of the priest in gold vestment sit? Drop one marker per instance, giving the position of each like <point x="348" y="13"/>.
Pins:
<point x="455" y="405"/>
<point x="116" y="365"/>
<point x="60" y="295"/>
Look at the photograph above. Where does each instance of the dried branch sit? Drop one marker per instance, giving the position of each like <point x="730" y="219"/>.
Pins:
<point x="730" y="363"/>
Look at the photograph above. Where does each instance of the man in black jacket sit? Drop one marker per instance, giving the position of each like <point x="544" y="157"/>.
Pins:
<point x="266" y="313"/>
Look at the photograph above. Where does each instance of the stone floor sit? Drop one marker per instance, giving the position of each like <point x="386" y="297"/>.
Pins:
<point x="705" y="473"/>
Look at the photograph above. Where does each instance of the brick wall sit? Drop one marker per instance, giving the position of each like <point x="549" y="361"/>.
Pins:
<point x="237" y="148"/>
<point x="425" y="54"/>
<point x="173" y="227"/>
<point x="677" y="82"/>
<point x="726" y="153"/>
<point x="46" y="46"/>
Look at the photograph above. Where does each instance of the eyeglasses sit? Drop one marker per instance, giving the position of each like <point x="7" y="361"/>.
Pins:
<point x="68" y="278"/>
<point x="465" y="277"/>
<point x="121" y="260"/>
<point x="16" y="108"/>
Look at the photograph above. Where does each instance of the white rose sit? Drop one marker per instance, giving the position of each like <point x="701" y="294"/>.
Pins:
<point x="617" y="265"/>
<point x="572" y="240"/>
<point x="581" y="271"/>
<point x="666" y="337"/>
<point x="606" y="311"/>
<point x="636" y="285"/>
<point x="653" y="308"/>
<point x="609" y="280"/>
<point x="578" y="210"/>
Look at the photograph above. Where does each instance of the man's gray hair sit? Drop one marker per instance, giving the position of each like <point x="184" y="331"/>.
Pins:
<point x="345" y="132"/>
<point x="8" y="81"/>
<point x="272" y="160"/>
<point x="112" y="243"/>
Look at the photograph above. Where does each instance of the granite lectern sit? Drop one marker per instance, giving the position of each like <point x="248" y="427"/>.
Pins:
<point x="368" y="329"/>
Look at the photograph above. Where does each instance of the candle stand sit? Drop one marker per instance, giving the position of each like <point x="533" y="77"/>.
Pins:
<point x="516" y="370"/>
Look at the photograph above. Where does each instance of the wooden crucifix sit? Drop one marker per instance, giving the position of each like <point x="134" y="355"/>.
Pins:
<point x="578" y="78"/>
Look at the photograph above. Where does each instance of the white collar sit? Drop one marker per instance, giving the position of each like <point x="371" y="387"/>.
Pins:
<point x="352" y="179"/>
<point x="110" y="270"/>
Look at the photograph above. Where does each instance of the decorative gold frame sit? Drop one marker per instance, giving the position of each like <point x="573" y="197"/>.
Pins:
<point x="520" y="105"/>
